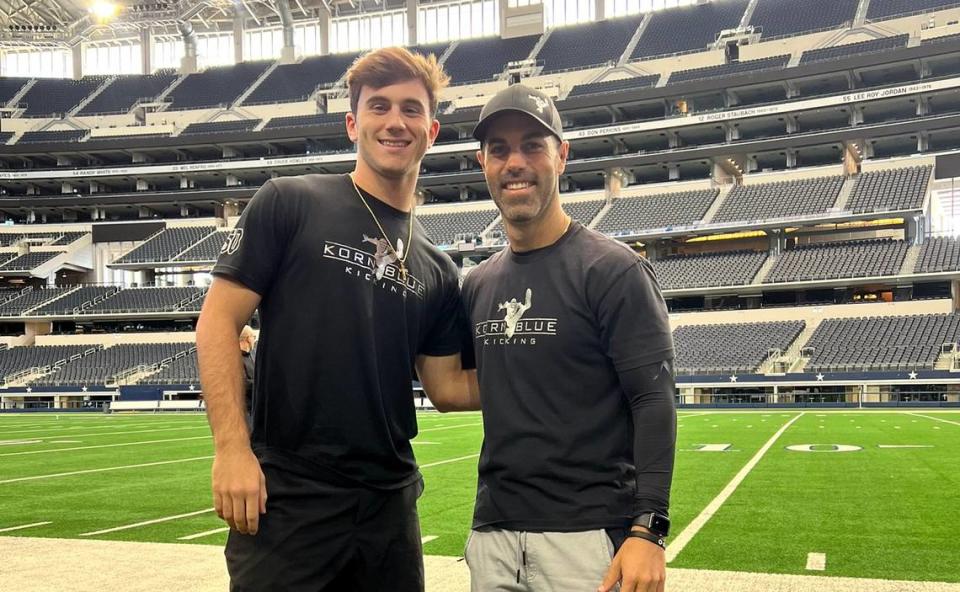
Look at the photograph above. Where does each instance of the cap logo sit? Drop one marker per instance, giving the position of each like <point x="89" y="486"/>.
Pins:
<point x="541" y="103"/>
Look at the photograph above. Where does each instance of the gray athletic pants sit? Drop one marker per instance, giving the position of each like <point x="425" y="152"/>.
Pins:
<point x="513" y="561"/>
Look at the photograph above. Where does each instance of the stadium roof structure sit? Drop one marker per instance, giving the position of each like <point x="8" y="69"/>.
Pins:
<point x="67" y="22"/>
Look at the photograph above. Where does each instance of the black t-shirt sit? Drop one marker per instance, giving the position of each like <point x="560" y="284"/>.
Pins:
<point x="339" y="329"/>
<point x="551" y="330"/>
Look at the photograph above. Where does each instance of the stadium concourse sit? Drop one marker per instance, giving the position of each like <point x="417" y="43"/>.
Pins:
<point x="788" y="167"/>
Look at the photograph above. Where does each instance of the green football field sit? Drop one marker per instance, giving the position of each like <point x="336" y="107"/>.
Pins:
<point x="865" y="493"/>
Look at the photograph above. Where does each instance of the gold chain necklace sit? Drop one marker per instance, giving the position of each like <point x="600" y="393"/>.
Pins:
<point x="401" y="261"/>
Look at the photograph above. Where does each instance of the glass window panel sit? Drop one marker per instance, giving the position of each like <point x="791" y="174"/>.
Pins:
<point x="442" y="28"/>
<point x="490" y="24"/>
<point x="454" y="21"/>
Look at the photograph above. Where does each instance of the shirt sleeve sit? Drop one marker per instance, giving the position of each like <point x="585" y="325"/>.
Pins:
<point x="633" y="318"/>
<point x="449" y="332"/>
<point x="650" y="392"/>
<point x="254" y="249"/>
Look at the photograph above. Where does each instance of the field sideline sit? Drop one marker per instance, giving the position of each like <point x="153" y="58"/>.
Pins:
<point x="846" y="493"/>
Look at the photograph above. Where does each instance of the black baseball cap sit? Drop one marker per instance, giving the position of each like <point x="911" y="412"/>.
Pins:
<point x="522" y="99"/>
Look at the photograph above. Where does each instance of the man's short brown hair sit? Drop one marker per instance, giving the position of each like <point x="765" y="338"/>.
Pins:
<point x="391" y="65"/>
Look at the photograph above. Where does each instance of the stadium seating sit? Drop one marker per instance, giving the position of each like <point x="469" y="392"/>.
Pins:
<point x="215" y="87"/>
<point x="851" y="49"/>
<point x="5" y="137"/>
<point x="296" y="82"/>
<point x="22" y="359"/>
<point x="220" y="127"/>
<point x="9" y="87"/>
<point x="938" y="254"/>
<point x="28" y="261"/>
<point x="776" y="200"/>
<point x="480" y="60"/>
<point x="735" y="268"/>
<point x="206" y="250"/>
<point x="182" y="370"/>
<point x="152" y="299"/>
<point x="582" y="211"/>
<point x="586" y="45"/>
<point x="32" y="299"/>
<point x="59" y="136"/>
<point x="443" y="228"/>
<point x="630" y="215"/>
<point x="83" y="297"/>
<point x="606" y="86"/>
<point x="100" y="366"/>
<point x="305" y="120"/>
<point x="740" y="347"/>
<point x="881" y="343"/>
<point x="733" y="68"/>
<point x="68" y="237"/>
<point x="166" y="245"/>
<point x="776" y="18"/>
<point x="848" y="259"/>
<point x="50" y="97"/>
<point x="885" y="9"/>
<point x="687" y="29"/>
<point x="124" y="92"/>
<point x="896" y="189"/>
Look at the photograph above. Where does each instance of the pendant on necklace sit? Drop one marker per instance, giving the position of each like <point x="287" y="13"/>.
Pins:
<point x="403" y="273"/>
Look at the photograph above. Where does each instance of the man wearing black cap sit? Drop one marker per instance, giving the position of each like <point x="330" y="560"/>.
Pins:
<point x="574" y="354"/>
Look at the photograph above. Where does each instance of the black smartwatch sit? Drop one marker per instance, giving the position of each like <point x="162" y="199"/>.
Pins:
<point x="656" y="523"/>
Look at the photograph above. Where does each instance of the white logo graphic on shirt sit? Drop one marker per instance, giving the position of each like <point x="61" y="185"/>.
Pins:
<point x="515" y="310"/>
<point x="384" y="255"/>
<point x="232" y="242"/>
<point x="514" y="328"/>
<point x="379" y="268"/>
<point x="541" y="103"/>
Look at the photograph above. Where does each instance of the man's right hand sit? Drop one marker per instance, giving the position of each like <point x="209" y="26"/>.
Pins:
<point x="239" y="489"/>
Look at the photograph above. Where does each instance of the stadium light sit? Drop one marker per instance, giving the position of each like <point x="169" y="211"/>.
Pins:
<point x="104" y="10"/>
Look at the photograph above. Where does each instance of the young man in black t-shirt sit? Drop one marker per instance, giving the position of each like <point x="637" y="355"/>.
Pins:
<point x="321" y="493"/>
<point x="574" y="354"/>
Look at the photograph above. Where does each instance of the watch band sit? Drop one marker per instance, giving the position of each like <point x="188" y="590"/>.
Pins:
<point x="656" y="523"/>
<point x="657" y="540"/>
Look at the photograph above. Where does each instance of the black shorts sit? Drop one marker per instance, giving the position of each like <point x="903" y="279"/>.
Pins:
<point x="329" y="537"/>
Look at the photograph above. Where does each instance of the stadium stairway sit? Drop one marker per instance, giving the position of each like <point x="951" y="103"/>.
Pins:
<point x="717" y="203"/>
<point x="92" y="96"/>
<point x="48" y="302"/>
<point x="910" y="261"/>
<point x="625" y="56"/>
<point x="23" y="91"/>
<point x="944" y="361"/>
<point x="603" y="212"/>
<point x="748" y="13"/>
<point x="256" y="83"/>
<point x="765" y="269"/>
<point x="861" y="17"/>
<point x="846" y="190"/>
<point x="793" y="352"/>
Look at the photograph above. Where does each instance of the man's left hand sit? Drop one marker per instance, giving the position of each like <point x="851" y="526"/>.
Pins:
<point x="639" y="566"/>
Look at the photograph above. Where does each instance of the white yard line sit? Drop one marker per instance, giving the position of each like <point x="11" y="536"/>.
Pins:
<point x="904" y="446"/>
<point x="677" y="545"/>
<point x="146" y="523"/>
<point x="205" y="533"/>
<point x="15" y="442"/>
<point x="104" y="469"/>
<point x="956" y="423"/>
<point x="459" y="425"/>
<point x="449" y="460"/>
<point x="68" y="430"/>
<point x="23" y="526"/>
<point x="427" y="539"/>
<point x="60" y="434"/>
<point x="105" y="446"/>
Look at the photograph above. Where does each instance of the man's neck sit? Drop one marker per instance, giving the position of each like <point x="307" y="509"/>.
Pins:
<point x="538" y="233"/>
<point x="397" y="193"/>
